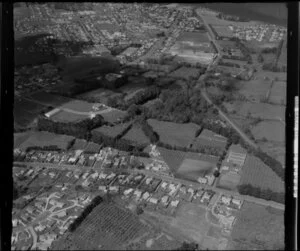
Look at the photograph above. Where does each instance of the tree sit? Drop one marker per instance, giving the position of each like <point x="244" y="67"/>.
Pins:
<point x="260" y="58"/>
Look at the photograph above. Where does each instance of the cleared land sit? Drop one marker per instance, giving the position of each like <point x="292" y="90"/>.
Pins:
<point x="209" y="138"/>
<point x="257" y="174"/>
<point x="258" y="227"/>
<point x="173" y="133"/>
<point x="42" y="139"/>
<point x="173" y="158"/>
<point x="270" y="130"/>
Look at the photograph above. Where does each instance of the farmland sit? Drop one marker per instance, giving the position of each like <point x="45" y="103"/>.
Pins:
<point x="79" y="144"/>
<point x="274" y="149"/>
<point x="257" y="174"/>
<point x="136" y="134"/>
<point x="173" y="133"/>
<point x="49" y="99"/>
<point x="208" y="138"/>
<point x="258" y="227"/>
<point x="269" y="130"/>
<point x="99" y="95"/>
<point x="42" y="139"/>
<point x="195" y="37"/>
<point x="223" y="31"/>
<point x="78" y="105"/>
<point x="107" y="227"/>
<point x="173" y="158"/>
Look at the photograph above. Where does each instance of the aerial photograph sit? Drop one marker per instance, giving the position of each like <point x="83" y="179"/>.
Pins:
<point x="149" y="126"/>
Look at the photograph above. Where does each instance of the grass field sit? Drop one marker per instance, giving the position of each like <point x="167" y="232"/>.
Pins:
<point x="258" y="227"/>
<point x="196" y="37"/>
<point x="192" y="169"/>
<point x="100" y="95"/>
<point x="66" y="117"/>
<point x="255" y="90"/>
<point x="46" y="139"/>
<point x="78" y="105"/>
<point x="107" y="227"/>
<point x="274" y="149"/>
<point x="173" y="158"/>
<point x="209" y="138"/>
<point x="136" y="134"/>
<point x="257" y="174"/>
<point x="112" y="131"/>
<point x="92" y="147"/>
<point x="79" y="144"/>
<point x="271" y="130"/>
<point x="19" y="138"/>
<point x="173" y="133"/>
<point x="278" y="93"/>
<point x="260" y="110"/>
<point x="229" y="180"/>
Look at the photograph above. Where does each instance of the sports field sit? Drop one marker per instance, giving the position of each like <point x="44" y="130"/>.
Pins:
<point x="66" y="117"/>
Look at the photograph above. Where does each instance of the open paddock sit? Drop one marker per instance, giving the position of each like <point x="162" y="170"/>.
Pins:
<point x="49" y="99"/>
<point x="174" y="133"/>
<point x="255" y="90"/>
<point x="274" y="149"/>
<point x="278" y="93"/>
<point x="68" y="117"/>
<point x="136" y="134"/>
<point x="186" y="73"/>
<point x="269" y="130"/>
<point x="258" y="227"/>
<point x="114" y="116"/>
<point x="229" y="180"/>
<point x="99" y="95"/>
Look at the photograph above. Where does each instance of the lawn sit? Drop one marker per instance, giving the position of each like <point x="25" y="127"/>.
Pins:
<point x="173" y="133"/>
<point x="47" y="139"/>
<point x="257" y="174"/>
<point x="258" y="227"/>
<point x="270" y="130"/>
<point x="67" y="117"/>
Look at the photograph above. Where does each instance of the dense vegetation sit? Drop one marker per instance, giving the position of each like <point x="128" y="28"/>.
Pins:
<point x="265" y="194"/>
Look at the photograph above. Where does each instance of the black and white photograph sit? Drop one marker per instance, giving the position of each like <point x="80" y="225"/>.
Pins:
<point x="149" y="126"/>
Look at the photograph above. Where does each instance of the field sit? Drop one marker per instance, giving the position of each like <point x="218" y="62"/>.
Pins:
<point x="186" y="73"/>
<point x="208" y="138"/>
<point x="258" y="227"/>
<point x="257" y="174"/>
<point x="195" y="37"/>
<point x="229" y="180"/>
<point x="136" y="134"/>
<point x="67" y="117"/>
<point x="78" y="105"/>
<point x="192" y="169"/>
<point x="47" y="139"/>
<point x="223" y="30"/>
<point x="92" y="148"/>
<point x="255" y="90"/>
<point x="173" y="158"/>
<point x="99" y="95"/>
<point x="260" y="110"/>
<point x="112" y="131"/>
<point x="270" y="130"/>
<point x="49" y="99"/>
<point x="79" y="144"/>
<point x="278" y="93"/>
<point x="114" y="116"/>
<point x="274" y="149"/>
<point x="173" y="133"/>
<point x="19" y="138"/>
<point x="107" y="227"/>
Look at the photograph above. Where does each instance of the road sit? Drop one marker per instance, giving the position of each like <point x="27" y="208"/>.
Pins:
<point x="195" y="185"/>
<point x="229" y="121"/>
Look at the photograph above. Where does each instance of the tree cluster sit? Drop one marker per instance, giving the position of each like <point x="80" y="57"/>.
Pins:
<point x="266" y="194"/>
